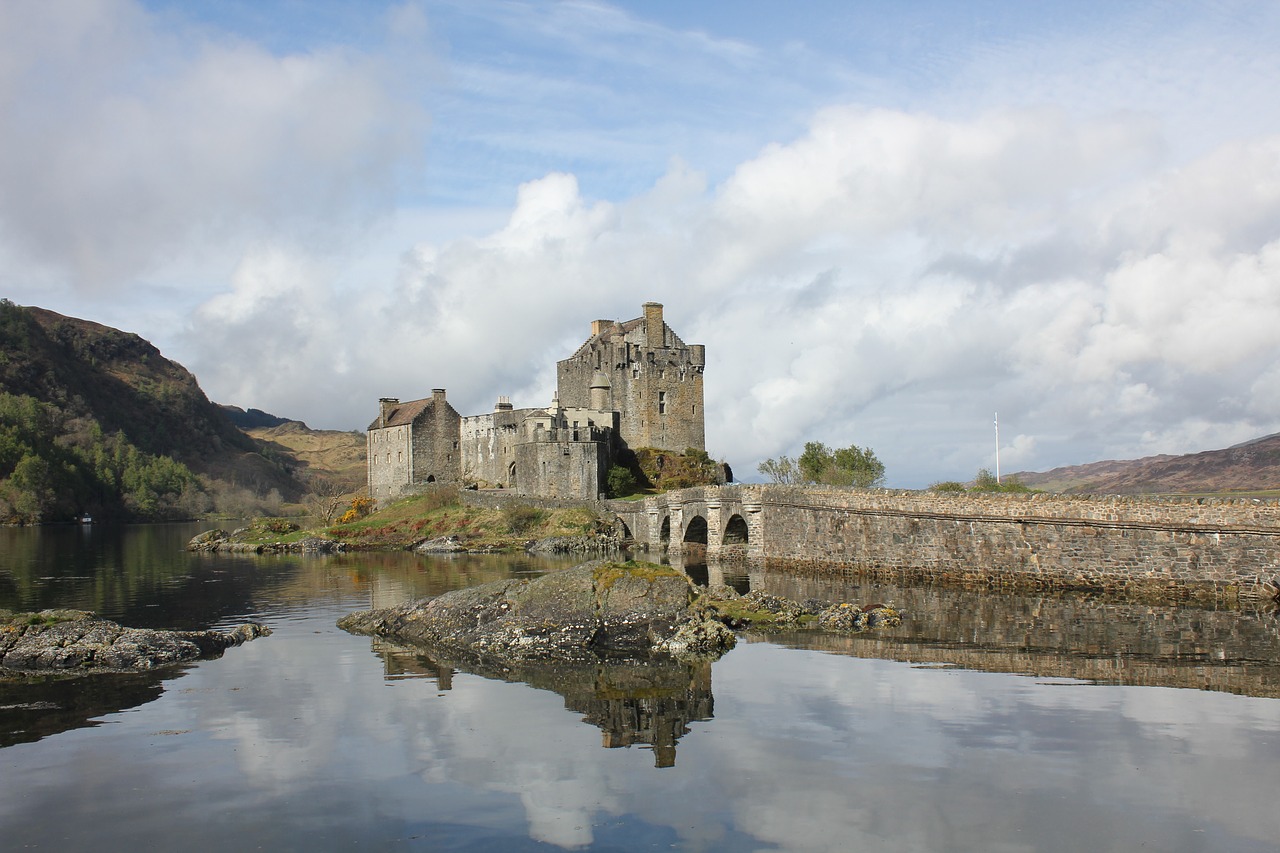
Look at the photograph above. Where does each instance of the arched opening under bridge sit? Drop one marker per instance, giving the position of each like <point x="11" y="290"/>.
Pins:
<point x="696" y="532"/>
<point x="735" y="532"/>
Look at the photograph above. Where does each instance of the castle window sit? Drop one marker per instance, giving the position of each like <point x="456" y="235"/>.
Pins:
<point x="662" y="402"/>
<point x="399" y="455"/>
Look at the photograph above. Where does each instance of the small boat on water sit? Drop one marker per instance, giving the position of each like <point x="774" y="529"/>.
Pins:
<point x="86" y="519"/>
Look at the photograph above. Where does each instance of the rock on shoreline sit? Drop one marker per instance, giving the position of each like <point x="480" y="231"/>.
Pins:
<point x="76" y="641"/>
<point x="596" y="609"/>
<point x="223" y="542"/>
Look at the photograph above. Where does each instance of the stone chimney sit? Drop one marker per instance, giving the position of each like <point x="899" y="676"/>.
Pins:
<point x="503" y="404"/>
<point x="437" y="395"/>
<point x="385" y="406"/>
<point x="599" y="327"/>
<point x="653" y="325"/>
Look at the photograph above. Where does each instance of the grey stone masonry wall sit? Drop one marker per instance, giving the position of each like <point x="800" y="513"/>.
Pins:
<point x="436" y="443"/>
<point x="389" y="461"/>
<point x="1178" y="546"/>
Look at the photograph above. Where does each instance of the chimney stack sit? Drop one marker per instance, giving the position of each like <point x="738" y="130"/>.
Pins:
<point x="653" y="325"/>
<point x="385" y="406"/>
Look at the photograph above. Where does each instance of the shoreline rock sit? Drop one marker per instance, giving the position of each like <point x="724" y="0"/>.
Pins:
<point x="220" y="541"/>
<point x="78" y="642"/>
<point x="590" y="611"/>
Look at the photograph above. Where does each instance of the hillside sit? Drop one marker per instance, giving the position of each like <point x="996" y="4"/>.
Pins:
<point x="95" y="420"/>
<point x="1253" y="466"/>
<point x="335" y="456"/>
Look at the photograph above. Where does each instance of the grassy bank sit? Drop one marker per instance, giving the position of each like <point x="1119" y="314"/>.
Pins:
<point x="438" y="514"/>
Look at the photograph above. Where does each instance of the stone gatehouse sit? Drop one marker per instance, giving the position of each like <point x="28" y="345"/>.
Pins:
<point x="631" y="384"/>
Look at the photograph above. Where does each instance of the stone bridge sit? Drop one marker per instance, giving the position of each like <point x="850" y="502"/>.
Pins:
<point x="723" y="522"/>
<point x="1180" y="547"/>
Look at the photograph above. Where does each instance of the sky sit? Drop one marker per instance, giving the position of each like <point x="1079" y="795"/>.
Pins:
<point x="887" y="222"/>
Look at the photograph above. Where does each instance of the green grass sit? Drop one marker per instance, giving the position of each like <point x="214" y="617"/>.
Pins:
<point x="433" y="516"/>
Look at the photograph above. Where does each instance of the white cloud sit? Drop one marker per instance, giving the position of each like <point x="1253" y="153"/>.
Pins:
<point x="1018" y="229"/>
<point x="127" y="145"/>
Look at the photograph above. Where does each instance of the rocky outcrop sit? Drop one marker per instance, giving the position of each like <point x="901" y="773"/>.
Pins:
<point x="223" y="542"/>
<point x="75" y="641"/>
<point x="440" y="545"/>
<point x="593" y="610"/>
<point x="596" y="544"/>
<point x="761" y="609"/>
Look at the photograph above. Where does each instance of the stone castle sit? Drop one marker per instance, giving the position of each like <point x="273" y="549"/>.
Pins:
<point x="630" y="385"/>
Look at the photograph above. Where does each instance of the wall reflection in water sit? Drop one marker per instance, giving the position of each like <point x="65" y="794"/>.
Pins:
<point x="1065" y="635"/>
<point x="633" y="702"/>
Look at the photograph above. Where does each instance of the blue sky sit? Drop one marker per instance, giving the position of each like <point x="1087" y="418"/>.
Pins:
<point x="886" y="221"/>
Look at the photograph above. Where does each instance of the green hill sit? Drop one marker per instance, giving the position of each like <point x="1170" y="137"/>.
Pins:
<point x="96" y="421"/>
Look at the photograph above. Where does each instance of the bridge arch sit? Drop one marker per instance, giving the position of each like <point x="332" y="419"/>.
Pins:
<point x="620" y="527"/>
<point x="664" y="533"/>
<point x="696" y="531"/>
<point x="735" y="532"/>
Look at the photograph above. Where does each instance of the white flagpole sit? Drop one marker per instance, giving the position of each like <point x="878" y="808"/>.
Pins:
<point x="997" y="448"/>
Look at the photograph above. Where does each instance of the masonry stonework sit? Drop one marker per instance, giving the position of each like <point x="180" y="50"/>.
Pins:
<point x="632" y="384"/>
<point x="1168" y="547"/>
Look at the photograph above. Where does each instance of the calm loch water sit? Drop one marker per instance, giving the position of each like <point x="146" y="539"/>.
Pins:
<point x="984" y="723"/>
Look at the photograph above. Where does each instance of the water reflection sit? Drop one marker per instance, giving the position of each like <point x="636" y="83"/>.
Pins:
<point x="646" y="703"/>
<point x="1065" y="636"/>
<point x="39" y="707"/>
<point x="305" y="740"/>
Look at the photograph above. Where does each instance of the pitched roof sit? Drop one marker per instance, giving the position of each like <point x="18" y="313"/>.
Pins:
<point x="402" y="413"/>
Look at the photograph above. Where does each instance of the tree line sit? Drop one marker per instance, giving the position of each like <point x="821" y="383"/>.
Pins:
<point x="55" y="467"/>
<point x="842" y="466"/>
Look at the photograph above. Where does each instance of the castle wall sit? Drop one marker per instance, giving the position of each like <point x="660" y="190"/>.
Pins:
<point x="435" y="441"/>
<point x="558" y="467"/>
<point x="390" y="461"/>
<point x="488" y="446"/>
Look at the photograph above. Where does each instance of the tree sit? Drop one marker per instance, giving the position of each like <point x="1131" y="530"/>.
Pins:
<point x="620" y="482"/>
<point x="782" y="470"/>
<point x="324" y="498"/>
<point x="845" y="466"/>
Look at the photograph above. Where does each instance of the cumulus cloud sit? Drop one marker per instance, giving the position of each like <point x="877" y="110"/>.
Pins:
<point x="1095" y="262"/>
<point x="886" y="275"/>
<point x="128" y="143"/>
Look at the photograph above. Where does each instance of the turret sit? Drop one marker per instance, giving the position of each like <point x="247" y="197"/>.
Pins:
<point x="600" y="392"/>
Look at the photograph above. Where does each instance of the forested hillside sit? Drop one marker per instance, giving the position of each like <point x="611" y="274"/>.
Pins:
<point x="96" y="421"/>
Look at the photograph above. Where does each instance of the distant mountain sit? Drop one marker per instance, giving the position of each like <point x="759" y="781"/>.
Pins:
<point x="332" y="456"/>
<point x="96" y="420"/>
<point x="1253" y="466"/>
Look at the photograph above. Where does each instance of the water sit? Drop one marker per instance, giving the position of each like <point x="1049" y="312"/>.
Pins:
<point x="985" y="723"/>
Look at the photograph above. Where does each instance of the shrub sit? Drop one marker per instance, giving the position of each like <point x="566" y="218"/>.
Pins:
<point x="620" y="482"/>
<point x="520" y="517"/>
<point x="947" y="486"/>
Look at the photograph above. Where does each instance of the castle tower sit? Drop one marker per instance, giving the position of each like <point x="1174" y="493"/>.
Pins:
<point x="643" y="371"/>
